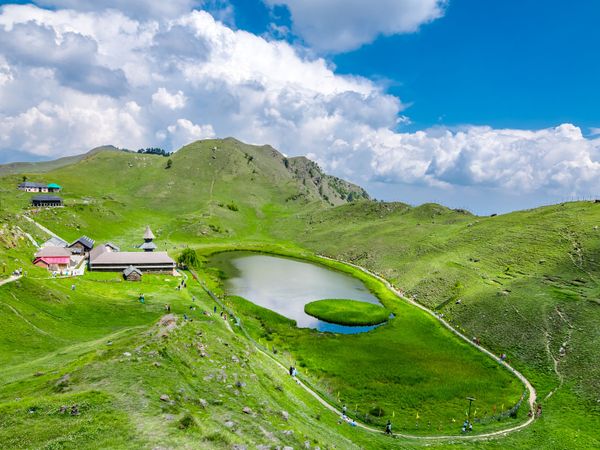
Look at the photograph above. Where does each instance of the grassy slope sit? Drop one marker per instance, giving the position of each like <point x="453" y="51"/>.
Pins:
<point x="347" y="312"/>
<point x="118" y="393"/>
<point x="526" y="281"/>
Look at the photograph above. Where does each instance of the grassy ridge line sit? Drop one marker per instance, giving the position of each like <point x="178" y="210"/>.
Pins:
<point x="347" y="312"/>
<point x="531" y="390"/>
<point x="365" y="276"/>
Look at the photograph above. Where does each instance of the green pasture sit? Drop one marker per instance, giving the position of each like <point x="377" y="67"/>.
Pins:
<point x="347" y="312"/>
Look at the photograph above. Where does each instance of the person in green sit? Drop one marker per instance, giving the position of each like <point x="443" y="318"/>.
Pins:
<point x="142" y="300"/>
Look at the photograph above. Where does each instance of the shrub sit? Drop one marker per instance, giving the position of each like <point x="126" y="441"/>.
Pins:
<point x="188" y="258"/>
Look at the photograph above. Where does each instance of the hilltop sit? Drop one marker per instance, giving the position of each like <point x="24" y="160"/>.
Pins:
<point x="523" y="283"/>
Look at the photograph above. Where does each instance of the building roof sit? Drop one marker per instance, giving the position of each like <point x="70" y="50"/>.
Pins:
<point x="53" y="260"/>
<point x="113" y="246"/>
<point x="148" y="233"/>
<point x="31" y="184"/>
<point x="131" y="270"/>
<point x="85" y="241"/>
<point x="55" y="242"/>
<point x="46" y="198"/>
<point x="53" y="251"/>
<point x="54" y="186"/>
<point x="131" y="258"/>
<point x="148" y="246"/>
<point x="97" y="251"/>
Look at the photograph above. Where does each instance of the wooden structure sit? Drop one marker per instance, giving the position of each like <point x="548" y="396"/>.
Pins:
<point x="105" y="261"/>
<point x="55" y="242"/>
<point x="148" y="245"/>
<point x="82" y="246"/>
<point x="108" y="258"/>
<point x="53" y="258"/>
<point x="30" y="186"/>
<point x="45" y="201"/>
<point x="132" y="274"/>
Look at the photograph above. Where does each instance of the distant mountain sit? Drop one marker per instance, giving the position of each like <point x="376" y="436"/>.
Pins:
<point x="47" y="166"/>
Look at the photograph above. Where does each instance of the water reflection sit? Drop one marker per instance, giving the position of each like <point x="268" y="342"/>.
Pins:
<point x="285" y="285"/>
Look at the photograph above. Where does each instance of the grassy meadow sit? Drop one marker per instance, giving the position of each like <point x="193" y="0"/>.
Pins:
<point x="525" y="284"/>
<point x="347" y="312"/>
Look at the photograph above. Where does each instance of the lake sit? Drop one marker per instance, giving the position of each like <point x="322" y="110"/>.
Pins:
<point x="285" y="285"/>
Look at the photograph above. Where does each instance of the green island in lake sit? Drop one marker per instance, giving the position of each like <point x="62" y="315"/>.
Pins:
<point x="347" y="312"/>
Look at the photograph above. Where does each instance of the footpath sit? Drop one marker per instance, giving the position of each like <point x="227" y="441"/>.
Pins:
<point x="463" y="437"/>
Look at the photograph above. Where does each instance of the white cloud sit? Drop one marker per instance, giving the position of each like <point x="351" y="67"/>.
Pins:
<point x="557" y="160"/>
<point x="595" y="131"/>
<point x="184" y="131"/>
<point x="145" y="83"/>
<point x="162" y="97"/>
<point x="134" y="8"/>
<point x="342" y="25"/>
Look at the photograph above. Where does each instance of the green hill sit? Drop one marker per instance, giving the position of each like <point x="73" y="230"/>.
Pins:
<point x="524" y="284"/>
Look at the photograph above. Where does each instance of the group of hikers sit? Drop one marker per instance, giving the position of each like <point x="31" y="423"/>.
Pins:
<point x="467" y="426"/>
<point x="352" y="422"/>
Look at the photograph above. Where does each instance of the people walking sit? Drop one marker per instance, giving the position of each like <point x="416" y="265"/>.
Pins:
<point x="388" y="427"/>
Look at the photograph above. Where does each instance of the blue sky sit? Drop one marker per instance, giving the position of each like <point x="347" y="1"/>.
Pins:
<point x="486" y="105"/>
<point x="512" y="63"/>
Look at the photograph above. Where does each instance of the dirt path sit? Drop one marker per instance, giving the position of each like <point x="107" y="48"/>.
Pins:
<point x="556" y="359"/>
<point x="14" y="310"/>
<point x="532" y="393"/>
<point x="329" y="406"/>
<point x="41" y="227"/>
<point x="10" y="279"/>
<point x="18" y="314"/>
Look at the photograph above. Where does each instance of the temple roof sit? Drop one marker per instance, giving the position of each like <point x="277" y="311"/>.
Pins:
<point x="148" y="234"/>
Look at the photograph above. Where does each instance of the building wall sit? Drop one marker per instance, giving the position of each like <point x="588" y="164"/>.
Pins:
<point x="46" y="204"/>
<point x="121" y="268"/>
<point x="134" y="276"/>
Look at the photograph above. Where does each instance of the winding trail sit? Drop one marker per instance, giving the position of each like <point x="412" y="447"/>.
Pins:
<point x="41" y="227"/>
<point x="464" y="437"/>
<point x="19" y="315"/>
<point x="531" y="390"/>
<point x="10" y="279"/>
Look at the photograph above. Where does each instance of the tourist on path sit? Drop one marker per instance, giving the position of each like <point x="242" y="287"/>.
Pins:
<point x="388" y="427"/>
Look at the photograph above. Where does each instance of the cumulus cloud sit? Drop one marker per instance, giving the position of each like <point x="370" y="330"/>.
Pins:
<point x="72" y="57"/>
<point x="164" y="98"/>
<point x="558" y="160"/>
<point x="342" y="25"/>
<point x="103" y="77"/>
<point x="184" y="131"/>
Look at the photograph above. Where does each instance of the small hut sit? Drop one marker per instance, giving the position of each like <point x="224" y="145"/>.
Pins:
<point x="132" y="274"/>
<point x="46" y="201"/>
<point x="82" y="246"/>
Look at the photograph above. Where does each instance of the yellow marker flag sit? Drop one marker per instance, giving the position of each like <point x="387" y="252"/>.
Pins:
<point x="417" y="415"/>
<point x="393" y="413"/>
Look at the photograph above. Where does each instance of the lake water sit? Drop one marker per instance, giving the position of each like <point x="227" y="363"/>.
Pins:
<point x="285" y="285"/>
